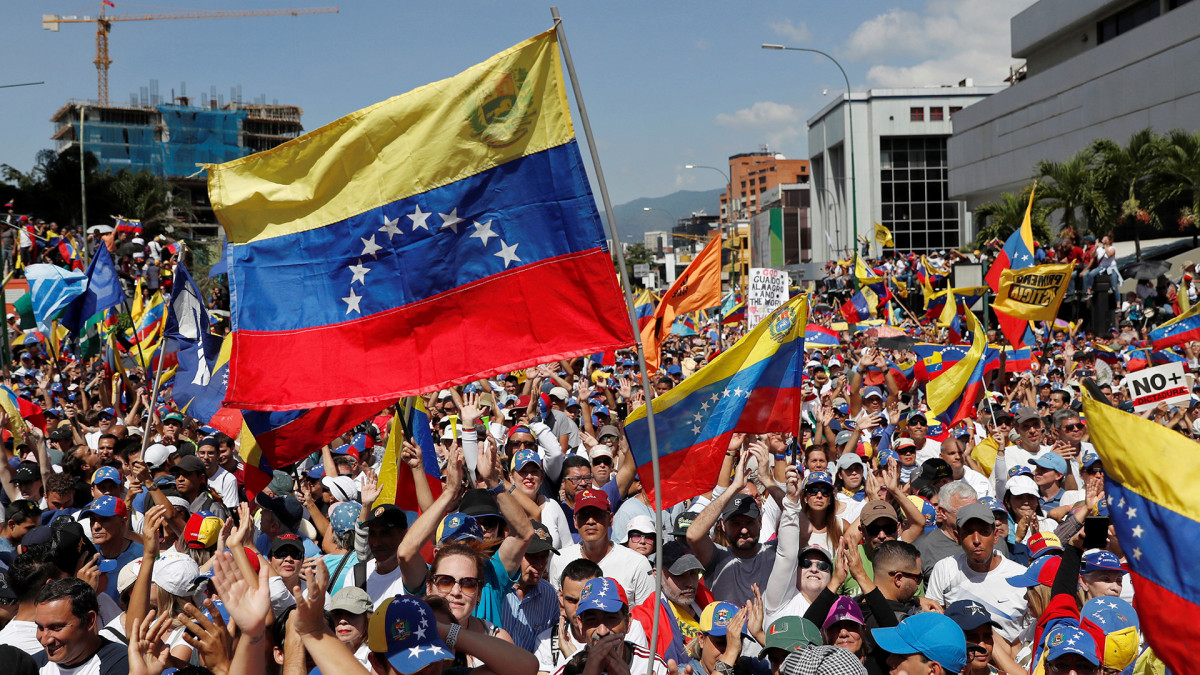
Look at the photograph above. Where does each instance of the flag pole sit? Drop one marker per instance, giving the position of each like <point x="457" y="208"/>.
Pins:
<point x="614" y="234"/>
<point x="162" y="354"/>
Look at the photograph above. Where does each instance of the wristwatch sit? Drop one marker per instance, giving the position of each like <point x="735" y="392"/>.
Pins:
<point x="151" y="486"/>
<point x="495" y="492"/>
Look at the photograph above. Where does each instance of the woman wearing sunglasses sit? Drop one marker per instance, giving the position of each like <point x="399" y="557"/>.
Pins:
<point x="457" y="575"/>
<point x="798" y="575"/>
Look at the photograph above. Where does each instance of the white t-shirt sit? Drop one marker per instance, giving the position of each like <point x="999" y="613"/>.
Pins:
<point x="629" y="568"/>
<point x="983" y="487"/>
<point x="931" y="449"/>
<point x="952" y="580"/>
<point x="796" y="606"/>
<point x="22" y="635"/>
<point x="225" y="485"/>
<point x="381" y="587"/>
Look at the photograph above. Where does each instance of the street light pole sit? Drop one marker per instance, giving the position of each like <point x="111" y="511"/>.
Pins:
<point x="850" y="133"/>
<point x="733" y="229"/>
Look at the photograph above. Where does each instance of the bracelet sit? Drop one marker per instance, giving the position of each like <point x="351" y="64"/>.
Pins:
<point x="511" y="488"/>
<point x="723" y="668"/>
<point x="452" y="636"/>
<point x="496" y="490"/>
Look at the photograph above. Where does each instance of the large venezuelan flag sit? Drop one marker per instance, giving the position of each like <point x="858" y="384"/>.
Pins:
<point x="1016" y="254"/>
<point x="820" y="337"/>
<point x="439" y="237"/>
<point x="953" y="393"/>
<point x="861" y="306"/>
<point x="752" y="387"/>
<point x="643" y="308"/>
<point x="1150" y="478"/>
<point x="1180" y="330"/>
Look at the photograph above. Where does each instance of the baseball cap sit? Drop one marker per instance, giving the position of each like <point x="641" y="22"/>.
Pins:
<point x="105" y="507"/>
<point x="741" y="505"/>
<point x="974" y="511"/>
<point x="842" y="438"/>
<point x="1067" y="639"/>
<point x="281" y="483"/>
<point x="172" y="417"/>
<point x="1021" y="485"/>
<point x="679" y="559"/>
<point x="345" y="451"/>
<point x="1050" y="460"/>
<point x="869" y="392"/>
<point x="594" y="498"/>
<point x="524" y="458"/>
<point x="342" y="516"/>
<point x="128" y="575"/>
<point x="928" y="510"/>
<point x="362" y="442"/>
<point x="969" y="614"/>
<point x="815" y="477"/>
<point x="342" y="488"/>
<point x="1040" y="572"/>
<point x="351" y="599"/>
<point x="640" y="523"/>
<point x="934" y="636"/>
<point x="935" y="469"/>
<point x="714" y="620"/>
<point x="559" y="393"/>
<point x="600" y="450"/>
<point x="1089" y="458"/>
<point x="682" y="522"/>
<point x="876" y="509"/>
<point x="1041" y="543"/>
<point x="993" y="504"/>
<point x="157" y="454"/>
<point x="188" y="464"/>
<point x="396" y="631"/>
<point x="542" y="541"/>
<point x="1117" y="621"/>
<point x="109" y="473"/>
<point x="27" y="473"/>
<point x="458" y="527"/>
<point x="286" y="541"/>
<point x="847" y="460"/>
<point x="608" y="430"/>
<point x="481" y="503"/>
<point x="606" y="595"/>
<point x="315" y="473"/>
<point x="1097" y="560"/>
<point x="888" y="455"/>
<point x="286" y="508"/>
<point x="844" y="609"/>
<point x="388" y="514"/>
<point x="1026" y="414"/>
<point x="176" y="574"/>
<point x="904" y="444"/>
<point x="792" y="633"/>
<point x="202" y="529"/>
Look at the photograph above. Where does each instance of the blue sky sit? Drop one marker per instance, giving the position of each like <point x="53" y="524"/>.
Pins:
<point x="666" y="83"/>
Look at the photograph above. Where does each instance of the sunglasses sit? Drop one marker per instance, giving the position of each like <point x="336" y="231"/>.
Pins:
<point x="444" y="583"/>
<point x="819" y="565"/>
<point x="1093" y="470"/>
<point x="822" y="491"/>
<point x="522" y="444"/>
<point x="1072" y="427"/>
<point x="281" y="555"/>
<point x="888" y="528"/>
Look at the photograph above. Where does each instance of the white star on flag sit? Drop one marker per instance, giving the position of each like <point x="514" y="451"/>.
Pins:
<point x="1121" y="504"/>
<point x="726" y="393"/>
<point x="695" y="429"/>
<point x="483" y="232"/>
<point x="1137" y="554"/>
<point x="450" y="220"/>
<point x="737" y="392"/>
<point x="1138" y="531"/>
<point x="360" y="272"/>
<point x="352" y="302"/>
<point x="369" y="246"/>
<point x="698" y="416"/>
<point x="716" y="397"/>
<point x="508" y="253"/>
<point x="418" y="219"/>
<point x="389" y="226"/>
<point x="1131" y="513"/>
<point x="704" y="405"/>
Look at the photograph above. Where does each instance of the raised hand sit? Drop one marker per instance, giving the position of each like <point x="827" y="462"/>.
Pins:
<point x="793" y="485"/>
<point x="148" y="652"/>
<point x="209" y="637"/>
<point x="156" y="517"/>
<point x="411" y="455"/>
<point x="470" y="409"/>
<point x="249" y="607"/>
<point x="310" y="602"/>
<point x="237" y="533"/>
<point x="370" y="487"/>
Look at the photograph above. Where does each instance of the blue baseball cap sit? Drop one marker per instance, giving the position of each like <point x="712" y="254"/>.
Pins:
<point x="1067" y="639"/>
<point x="106" y="473"/>
<point x="108" y="411"/>
<point x="604" y="594"/>
<point x="1015" y="471"/>
<point x="969" y="614"/>
<point x="1089" y="458"/>
<point x="1052" y="461"/>
<point x="342" y="516"/>
<point x="868" y="392"/>
<point x="842" y="408"/>
<point x="525" y="457"/>
<point x="361" y="442"/>
<point x="715" y="618"/>
<point x="674" y="370"/>
<point x="1096" y="561"/>
<point x="1040" y="572"/>
<point x="935" y="636"/>
<point x="104" y="507"/>
<point x="404" y="629"/>
<point x="993" y="504"/>
<point x="316" y="473"/>
<point x="888" y="455"/>
<point x="1111" y="614"/>
<point x="459" y="527"/>
<point x="818" y="477"/>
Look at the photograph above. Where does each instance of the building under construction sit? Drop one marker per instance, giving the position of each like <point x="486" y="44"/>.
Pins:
<point x="174" y="139"/>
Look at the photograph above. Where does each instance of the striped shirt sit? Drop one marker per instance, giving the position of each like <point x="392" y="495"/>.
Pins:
<point x="524" y="618"/>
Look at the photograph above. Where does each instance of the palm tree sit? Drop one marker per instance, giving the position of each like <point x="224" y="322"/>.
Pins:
<point x="1180" y="172"/>
<point x="1128" y="176"/>
<point x="1000" y="218"/>
<point x="148" y="198"/>
<point x="1071" y="187"/>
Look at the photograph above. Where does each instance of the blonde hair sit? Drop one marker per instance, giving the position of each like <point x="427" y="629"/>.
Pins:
<point x="168" y="602"/>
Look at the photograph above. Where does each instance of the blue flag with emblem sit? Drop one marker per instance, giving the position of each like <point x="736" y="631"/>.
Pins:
<point x="103" y="291"/>
<point x="51" y="288"/>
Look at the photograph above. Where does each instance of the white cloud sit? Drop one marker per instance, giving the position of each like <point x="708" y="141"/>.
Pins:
<point x="950" y="39"/>
<point x="792" y="31"/>
<point x="777" y="123"/>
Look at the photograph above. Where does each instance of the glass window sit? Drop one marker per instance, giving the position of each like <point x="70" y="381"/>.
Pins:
<point x="916" y="114"/>
<point x="936" y="114"/>
<point x="954" y="109"/>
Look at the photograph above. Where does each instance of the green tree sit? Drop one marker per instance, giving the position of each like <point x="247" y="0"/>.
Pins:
<point x="148" y="198"/>
<point x="1071" y="187"/>
<point x="1180" y="173"/>
<point x="999" y="219"/>
<point x="635" y="254"/>
<point x="1130" y="175"/>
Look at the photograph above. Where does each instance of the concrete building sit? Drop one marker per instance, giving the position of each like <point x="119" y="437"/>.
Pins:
<point x="753" y="174"/>
<point x="899" y="154"/>
<point x="781" y="234"/>
<point x="1093" y="69"/>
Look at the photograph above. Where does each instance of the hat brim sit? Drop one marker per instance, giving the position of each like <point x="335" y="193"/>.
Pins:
<point x="405" y="661"/>
<point x="890" y="640"/>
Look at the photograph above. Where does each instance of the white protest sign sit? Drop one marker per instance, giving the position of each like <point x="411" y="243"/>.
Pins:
<point x="1149" y="387"/>
<point x="767" y="291"/>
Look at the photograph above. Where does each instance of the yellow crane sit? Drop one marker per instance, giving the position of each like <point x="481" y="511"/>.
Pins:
<point x="104" y="23"/>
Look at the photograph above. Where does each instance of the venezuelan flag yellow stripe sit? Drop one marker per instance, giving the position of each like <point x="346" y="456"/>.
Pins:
<point x="1145" y="457"/>
<point x="512" y="105"/>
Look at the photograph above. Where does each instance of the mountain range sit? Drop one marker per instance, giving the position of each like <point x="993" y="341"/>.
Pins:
<point x="634" y="221"/>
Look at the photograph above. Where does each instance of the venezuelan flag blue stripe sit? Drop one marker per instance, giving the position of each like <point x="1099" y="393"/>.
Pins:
<point x="301" y="280"/>
<point x="1141" y="524"/>
<point x="1185" y="329"/>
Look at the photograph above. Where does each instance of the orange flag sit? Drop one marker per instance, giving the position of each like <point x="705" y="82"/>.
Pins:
<point x="699" y="287"/>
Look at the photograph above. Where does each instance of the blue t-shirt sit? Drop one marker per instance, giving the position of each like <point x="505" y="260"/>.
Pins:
<point x="491" y="597"/>
<point x="332" y="560"/>
<point x="134" y="552"/>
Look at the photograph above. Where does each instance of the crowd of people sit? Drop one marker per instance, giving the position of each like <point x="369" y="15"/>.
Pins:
<point x="873" y="540"/>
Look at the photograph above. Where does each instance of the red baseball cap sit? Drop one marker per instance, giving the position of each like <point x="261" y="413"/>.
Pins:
<point x="590" y="497"/>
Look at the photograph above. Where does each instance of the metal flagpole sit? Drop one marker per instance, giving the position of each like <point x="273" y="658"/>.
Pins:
<point x="615" y="235"/>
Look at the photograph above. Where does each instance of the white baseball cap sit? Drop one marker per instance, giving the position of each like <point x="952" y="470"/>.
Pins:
<point x="342" y="488"/>
<point x="1021" y="485"/>
<point x="157" y="454"/>
<point x="176" y="574"/>
<point x="639" y="523"/>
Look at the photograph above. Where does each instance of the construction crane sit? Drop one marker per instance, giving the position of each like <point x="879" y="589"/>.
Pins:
<point x="104" y="24"/>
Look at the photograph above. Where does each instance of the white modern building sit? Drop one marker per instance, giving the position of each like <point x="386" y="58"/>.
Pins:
<point x="1093" y="69"/>
<point x="899" y="154"/>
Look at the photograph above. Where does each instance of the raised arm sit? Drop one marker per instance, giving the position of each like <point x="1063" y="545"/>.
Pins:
<point x="520" y="530"/>
<point x="408" y="553"/>
<point x="697" y="533"/>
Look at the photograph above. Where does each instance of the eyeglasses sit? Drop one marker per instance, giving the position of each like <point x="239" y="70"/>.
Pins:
<point x="1094" y="469"/>
<point x="907" y="450"/>
<point x="514" y="443"/>
<point x="1073" y="427"/>
<point x="915" y="576"/>
<point x="819" y="565"/>
<point x="888" y="528"/>
<point x="579" y="479"/>
<point x="282" y="555"/>
<point x="640" y="536"/>
<point x="822" y="491"/>
<point x="444" y="583"/>
<point x="603" y="461"/>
